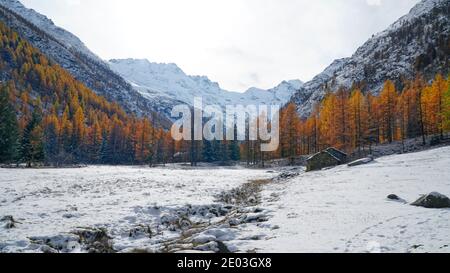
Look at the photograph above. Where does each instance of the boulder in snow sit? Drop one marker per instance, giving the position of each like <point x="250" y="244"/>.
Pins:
<point x="185" y="224"/>
<point x="9" y="221"/>
<point x="210" y="247"/>
<point x="433" y="200"/>
<point x="63" y="243"/>
<point x="393" y="197"/>
<point x="396" y="198"/>
<point x="95" y="240"/>
<point x="203" y="239"/>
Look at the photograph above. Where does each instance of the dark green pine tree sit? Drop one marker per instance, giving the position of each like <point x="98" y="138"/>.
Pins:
<point x="208" y="152"/>
<point x="216" y="150"/>
<point x="104" y="152"/>
<point x="114" y="146"/>
<point x="9" y="132"/>
<point x="51" y="146"/>
<point x="37" y="144"/>
<point x="235" y="152"/>
<point x="224" y="151"/>
<point x="32" y="148"/>
<point x="129" y="150"/>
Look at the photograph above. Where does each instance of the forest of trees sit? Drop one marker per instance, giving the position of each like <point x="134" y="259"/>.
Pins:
<point x="352" y="121"/>
<point x="48" y="117"/>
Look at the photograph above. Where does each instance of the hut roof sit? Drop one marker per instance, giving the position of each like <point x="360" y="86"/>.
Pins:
<point x="336" y="153"/>
<point x="333" y="152"/>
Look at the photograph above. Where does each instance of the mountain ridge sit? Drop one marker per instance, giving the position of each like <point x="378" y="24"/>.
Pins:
<point x="418" y="42"/>
<point x="161" y="81"/>
<point x="70" y="53"/>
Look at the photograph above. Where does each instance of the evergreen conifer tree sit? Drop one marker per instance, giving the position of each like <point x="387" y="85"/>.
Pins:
<point x="8" y="128"/>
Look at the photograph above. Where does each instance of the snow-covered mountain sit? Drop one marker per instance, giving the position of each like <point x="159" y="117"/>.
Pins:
<point x="69" y="52"/>
<point x="168" y="83"/>
<point x="140" y="87"/>
<point x="416" y="43"/>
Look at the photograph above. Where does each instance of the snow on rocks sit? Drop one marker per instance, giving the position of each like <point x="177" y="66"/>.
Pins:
<point x="96" y="240"/>
<point x="63" y="243"/>
<point x="232" y="224"/>
<point x="360" y="162"/>
<point x="433" y="200"/>
<point x="203" y="239"/>
<point x="255" y="217"/>
<point x="208" y="247"/>
<point x="393" y="197"/>
<point x="141" y="231"/>
<point x="89" y="240"/>
<point x="287" y="175"/>
<point x="396" y="198"/>
<point x="9" y="222"/>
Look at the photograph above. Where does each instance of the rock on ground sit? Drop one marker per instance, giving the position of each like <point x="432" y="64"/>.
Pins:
<point x="433" y="200"/>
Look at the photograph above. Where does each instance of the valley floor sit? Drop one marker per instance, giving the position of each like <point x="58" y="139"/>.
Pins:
<point x="134" y="209"/>
<point x="346" y="209"/>
<point x="138" y="207"/>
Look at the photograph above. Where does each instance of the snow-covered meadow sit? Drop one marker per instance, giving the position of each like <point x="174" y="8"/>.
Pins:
<point x="345" y="209"/>
<point x="138" y="209"/>
<point x="123" y="200"/>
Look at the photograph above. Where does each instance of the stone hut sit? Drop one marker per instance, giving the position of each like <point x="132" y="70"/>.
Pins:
<point x="327" y="158"/>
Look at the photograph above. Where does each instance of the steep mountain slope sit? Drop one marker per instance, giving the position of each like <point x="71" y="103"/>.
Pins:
<point x="417" y="43"/>
<point x="168" y="83"/>
<point x="70" y="53"/>
<point x="55" y="119"/>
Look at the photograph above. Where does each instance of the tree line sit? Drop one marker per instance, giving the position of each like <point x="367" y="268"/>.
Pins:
<point x="48" y="117"/>
<point x="352" y="121"/>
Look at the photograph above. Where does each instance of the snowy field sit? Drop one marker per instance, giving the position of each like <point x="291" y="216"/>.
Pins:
<point x="123" y="200"/>
<point x="344" y="209"/>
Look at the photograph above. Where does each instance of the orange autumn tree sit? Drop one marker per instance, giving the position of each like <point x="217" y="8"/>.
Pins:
<point x="388" y="100"/>
<point x="358" y="119"/>
<point x="438" y="90"/>
<point x="289" y="133"/>
<point x="310" y="132"/>
<point x="373" y="120"/>
<point x="353" y="121"/>
<point x="447" y="107"/>
<point x="327" y="121"/>
<point x="143" y="140"/>
<point x="342" y="119"/>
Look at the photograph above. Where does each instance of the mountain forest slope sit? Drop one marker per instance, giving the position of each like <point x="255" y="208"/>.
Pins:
<point x="49" y="116"/>
<point x="418" y="43"/>
<point x="71" y="54"/>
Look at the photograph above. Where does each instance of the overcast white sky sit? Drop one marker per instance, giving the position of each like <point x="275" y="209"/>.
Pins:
<point x="238" y="43"/>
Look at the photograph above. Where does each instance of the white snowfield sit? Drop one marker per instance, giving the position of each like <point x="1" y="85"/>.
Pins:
<point x="346" y="209"/>
<point x="52" y="202"/>
<point x="337" y="210"/>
